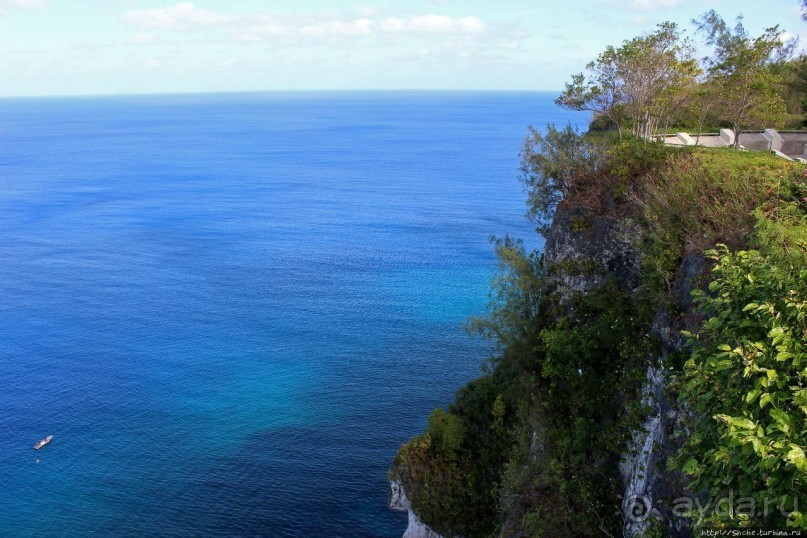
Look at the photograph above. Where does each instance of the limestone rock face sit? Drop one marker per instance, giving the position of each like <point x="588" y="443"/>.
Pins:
<point x="584" y="250"/>
<point x="398" y="501"/>
<point x="649" y="485"/>
<point x="651" y="488"/>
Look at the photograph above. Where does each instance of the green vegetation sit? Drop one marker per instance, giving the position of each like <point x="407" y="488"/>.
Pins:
<point x="746" y="381"/>
<point x="652" y="82"/>
<point x="644" y="81"/>
<point x="551" y="165"/>
<point x="468" y="466"/>
<point x="452" y="472"/>
<point x="533" y="447"/>
<point x="701" y="198"/>
<point x="740" y="73"/>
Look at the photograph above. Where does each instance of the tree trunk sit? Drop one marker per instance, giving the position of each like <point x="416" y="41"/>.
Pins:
<point x="618" y="127"/>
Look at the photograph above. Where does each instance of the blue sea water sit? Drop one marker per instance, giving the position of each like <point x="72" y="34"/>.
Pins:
<point x="230" y="310"/>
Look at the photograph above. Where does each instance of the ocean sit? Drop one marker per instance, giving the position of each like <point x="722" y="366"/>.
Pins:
<point x="231" y="309"/>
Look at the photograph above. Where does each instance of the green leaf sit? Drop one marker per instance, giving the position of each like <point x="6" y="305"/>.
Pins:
<point x="797" y="458"/>
<point x="743" y="423"/>
<point x="782" y="420"/>
<point x="724" y="364"/>
<point x="691" y="466"/>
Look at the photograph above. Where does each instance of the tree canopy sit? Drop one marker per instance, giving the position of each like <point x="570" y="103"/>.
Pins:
<point x="643" y="81"/>
<point x="741" y="71"/>
<point x="653" y="81"/>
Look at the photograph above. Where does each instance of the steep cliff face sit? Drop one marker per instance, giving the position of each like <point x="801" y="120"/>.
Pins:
<point x="583" y="251"/>
<point x="576" y="428"/>
<point x="650" y="487"/>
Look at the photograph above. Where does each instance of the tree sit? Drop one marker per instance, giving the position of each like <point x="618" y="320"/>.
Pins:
<point x="550" y="165"/>
<point x="701" y="106"/>
<point x="793" y="89"/>
<point x="659" y="73"/>
<point x="741" y="71"/>
<point x="601" y="93"/>
<point x="644" y="81"/>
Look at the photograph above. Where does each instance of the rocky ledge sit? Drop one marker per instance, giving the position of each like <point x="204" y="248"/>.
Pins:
<point x="398" y="501"/>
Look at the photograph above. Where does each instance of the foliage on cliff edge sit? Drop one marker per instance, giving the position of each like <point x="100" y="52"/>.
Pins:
<point x="746" y="380"/>
<point x="532" y="448"/>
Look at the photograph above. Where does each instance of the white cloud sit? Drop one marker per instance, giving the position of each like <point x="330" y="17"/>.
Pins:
<point x="265" y="25"/>
<point x="318" y="27"/>
<point x="367" y="11"/>
<point x="393" y="24"/>
<point x="246" y="37"/>
<point x="654" y="4"/>
<point x="358" y="27"/>
<point x="438" y="24"/>
<point x="26" y="4"/>
<point x="645" y="5"/>
<point x="268" y="25"/>
<point x="144" y="39"/>
<point x="6" y="5"/>
<point x="186" y="16"/>
<point x="227" y="62"/>
<point x="183" y="16"/>
<point x="641" y="21"/>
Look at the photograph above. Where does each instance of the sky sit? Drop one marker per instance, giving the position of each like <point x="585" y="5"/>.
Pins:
<point x="88" y="47"/>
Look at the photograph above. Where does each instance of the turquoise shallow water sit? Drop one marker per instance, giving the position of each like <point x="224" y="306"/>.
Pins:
<point x="230" y="310"/>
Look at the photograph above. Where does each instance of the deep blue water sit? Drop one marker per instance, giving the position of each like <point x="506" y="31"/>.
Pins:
<point x="230" y="310"/>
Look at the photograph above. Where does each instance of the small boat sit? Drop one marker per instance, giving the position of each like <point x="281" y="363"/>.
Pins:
<point x="43" y="442"/>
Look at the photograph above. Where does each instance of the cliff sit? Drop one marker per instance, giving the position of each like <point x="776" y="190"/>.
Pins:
<point x="415" y="527"/>
<point x="577" y="428"/>
<point x="609" y="247"/>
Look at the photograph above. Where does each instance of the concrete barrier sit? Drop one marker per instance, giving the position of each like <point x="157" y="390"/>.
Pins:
<point x="774" y="138"/>
<point x="786" y="144"/>
<point x="685" y="139"/>
<point x="727" y="136"/>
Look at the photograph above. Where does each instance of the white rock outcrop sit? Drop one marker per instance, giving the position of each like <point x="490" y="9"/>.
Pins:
<point x="398" y="501"/>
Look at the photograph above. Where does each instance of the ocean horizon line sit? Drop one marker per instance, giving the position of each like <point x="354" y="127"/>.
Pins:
<point x="281" y="92"/>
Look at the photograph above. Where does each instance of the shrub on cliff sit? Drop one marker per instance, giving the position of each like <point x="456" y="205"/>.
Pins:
<point x="746" y="381"/>
<point x="562" y="479"/>
<point x="451" y="472"/>
<point x="551" y="164"/>
<point x="703" y="197"/>
<point x="591" y="171"/>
